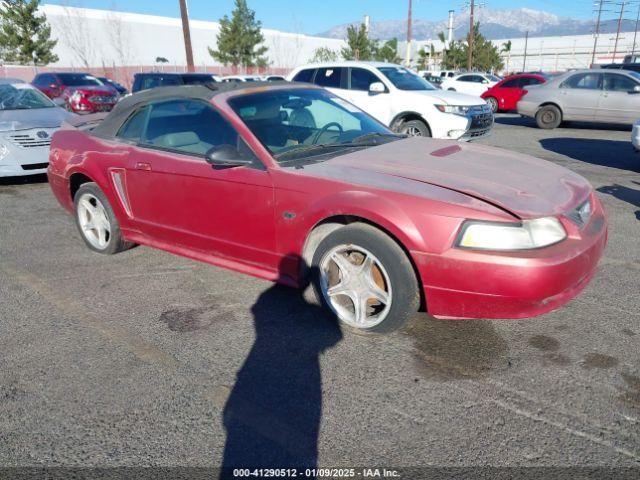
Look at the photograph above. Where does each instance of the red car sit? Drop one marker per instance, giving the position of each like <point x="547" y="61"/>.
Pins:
<point x="290" y="183"/>
<point x="505" y="95"/>
<point x="79" y="92"/>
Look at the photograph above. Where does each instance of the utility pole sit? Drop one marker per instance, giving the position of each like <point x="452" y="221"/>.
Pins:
<point x="635" y="34"/>
<point x="184" y="13"/>
<point x="470" y="40"/>
<point x="526" y="44"/>
<point x="597" y="32"/>
<point x="407" y="59"/>
<point x="615" y="45"/>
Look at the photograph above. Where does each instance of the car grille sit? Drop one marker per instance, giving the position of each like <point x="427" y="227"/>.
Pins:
<point x="35" y="166"/>
<point x="102" y="99"/>
<point x="26" y="140"/>
<point x="581" y="215"/>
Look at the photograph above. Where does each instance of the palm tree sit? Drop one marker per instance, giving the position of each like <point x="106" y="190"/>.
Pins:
<point x="506" y="48"/>
<point x="443" y="39"/>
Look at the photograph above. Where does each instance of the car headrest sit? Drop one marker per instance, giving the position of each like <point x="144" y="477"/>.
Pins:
<point x="176" y="140"/>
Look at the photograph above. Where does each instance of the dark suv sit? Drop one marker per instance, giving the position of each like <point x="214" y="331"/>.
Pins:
<point x="144" y="81"/>
<point x="634" y="67"/>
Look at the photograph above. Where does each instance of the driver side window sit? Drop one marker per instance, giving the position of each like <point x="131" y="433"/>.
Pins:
<point x="186" y="126"/>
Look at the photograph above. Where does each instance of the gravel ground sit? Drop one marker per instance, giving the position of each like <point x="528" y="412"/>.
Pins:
<point x="130" y="360"/>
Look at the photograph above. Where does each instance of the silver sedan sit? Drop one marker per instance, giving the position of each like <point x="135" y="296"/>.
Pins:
<point x="28" y="119"/>
<point x="585" y="95"/>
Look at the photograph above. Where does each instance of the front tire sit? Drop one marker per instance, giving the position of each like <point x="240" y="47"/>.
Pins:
<point x="549" y="117"/>
<point x="365" y="279"/>
<point x="96" y="221"/>
<point x="414" y="128"/>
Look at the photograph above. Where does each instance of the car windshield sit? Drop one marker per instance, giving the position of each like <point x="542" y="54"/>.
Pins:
<point x="492" y="78"/>
<point x="298" y="124"/>
<point x="21" y="96"/>
<point x="404" y="79"/>
<point x="78" y="79"/>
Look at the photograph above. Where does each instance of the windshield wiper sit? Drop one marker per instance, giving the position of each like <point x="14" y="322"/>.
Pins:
<point x="370" y="136"/>
<point x="310" y="149"/>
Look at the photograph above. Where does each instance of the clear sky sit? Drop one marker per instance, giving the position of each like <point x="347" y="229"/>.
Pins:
<point x="315" y="16"/>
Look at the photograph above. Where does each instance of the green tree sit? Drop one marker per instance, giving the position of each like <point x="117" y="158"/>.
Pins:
<point x="240" y="39"/>
<point x="443" y="39"/>
<point x="25" y="36"/>
<point x="506" y="48"/>
<point x="387" y="52"/>
<point x="424" y="56"/>
<point x="485" y="54"/>
<point x="359" y="46"/>
<point x="324" y="54"/>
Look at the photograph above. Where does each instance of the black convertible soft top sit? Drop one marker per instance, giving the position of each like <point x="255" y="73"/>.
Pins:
<point x="124" y="108"/>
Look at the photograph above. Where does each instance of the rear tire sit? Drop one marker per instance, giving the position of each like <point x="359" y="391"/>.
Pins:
<point x="359" y="265"/>
<point x="493" y="103"/>
<point x="548" y="117"/>
<point x="414" y="128"/>
<point x="96" y="221"/>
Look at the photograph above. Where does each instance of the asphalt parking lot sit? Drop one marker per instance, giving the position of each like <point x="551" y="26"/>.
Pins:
<point x="134" y="359"/>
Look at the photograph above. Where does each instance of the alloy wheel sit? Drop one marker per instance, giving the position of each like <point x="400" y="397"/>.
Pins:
<point x="356" y="286"/>
<point x="94" y="222"/>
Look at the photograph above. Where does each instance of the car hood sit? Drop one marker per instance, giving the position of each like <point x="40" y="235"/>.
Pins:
<point x="447" y="97"/>
<point x="34" y="118"/>
<point x="525" y="186"/>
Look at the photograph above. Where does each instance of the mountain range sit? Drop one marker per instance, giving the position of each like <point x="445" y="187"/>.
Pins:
<point x="494" y="24"/>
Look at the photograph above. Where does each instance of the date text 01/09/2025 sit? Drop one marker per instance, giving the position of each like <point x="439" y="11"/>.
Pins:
<point x="315" y="473"/>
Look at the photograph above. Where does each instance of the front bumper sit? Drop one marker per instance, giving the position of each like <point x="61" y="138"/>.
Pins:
<point x="23" y="152"/>
<point x="474" y="284"/>
<point x="476" y="125"/>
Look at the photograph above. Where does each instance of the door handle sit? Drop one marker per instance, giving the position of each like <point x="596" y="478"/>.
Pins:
<point x="143" y="166"/>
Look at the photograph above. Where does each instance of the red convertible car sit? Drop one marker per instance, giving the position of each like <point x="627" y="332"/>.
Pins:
<point x="290" y="183"/>
<point x="506" y="94"/>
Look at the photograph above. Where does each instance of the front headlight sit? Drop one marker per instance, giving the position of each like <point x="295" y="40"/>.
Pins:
<point x="457" y="109"/>
<point x="529" y="234"/>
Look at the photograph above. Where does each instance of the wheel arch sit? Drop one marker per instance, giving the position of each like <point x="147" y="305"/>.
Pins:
<point x="76" y="179"/>
<point x="322" y="228"/>
<point x="407" y="116"/>
<point x="546" y="104"/>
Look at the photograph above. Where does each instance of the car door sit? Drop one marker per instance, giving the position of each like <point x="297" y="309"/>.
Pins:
<point x="333" y="79"/>
<point x="579" y="95"/>
<point x="509" y="93"/>
<point x="619" y="102"/>
<point x="378" y="105"/>
<point x="177" y="198"/>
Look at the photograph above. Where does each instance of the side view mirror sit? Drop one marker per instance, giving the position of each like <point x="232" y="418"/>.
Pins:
<point x="485" y="81"/>
<point x="635" y="90"/>
<point x="226" y="156"/>
<point x="377" y="87"/>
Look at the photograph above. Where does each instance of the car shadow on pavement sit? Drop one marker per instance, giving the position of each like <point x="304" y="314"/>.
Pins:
<point x="27" y="179"/>
<point x="608" y="153"/>
<point x="517" y="120"/>
<point x="272" y="416"/>
<point x="626" y="194"/>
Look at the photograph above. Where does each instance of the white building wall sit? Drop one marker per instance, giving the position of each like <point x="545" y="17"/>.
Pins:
<point x="554" y="53"/>
<point x="104" y="38"/>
